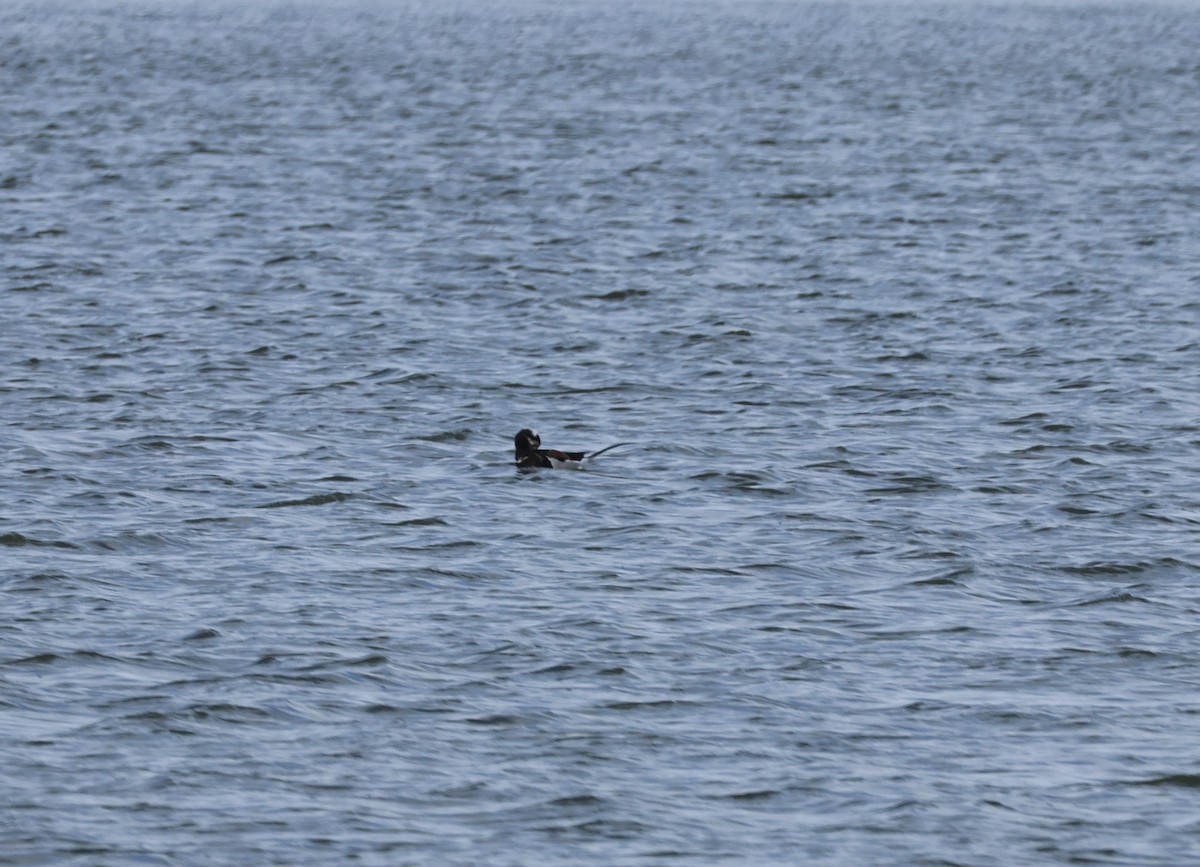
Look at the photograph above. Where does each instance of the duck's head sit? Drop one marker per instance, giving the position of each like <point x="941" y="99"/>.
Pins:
<point x="527" y="442"/>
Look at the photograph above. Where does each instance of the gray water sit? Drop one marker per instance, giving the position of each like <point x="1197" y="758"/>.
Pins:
<point x="898" y="305"/>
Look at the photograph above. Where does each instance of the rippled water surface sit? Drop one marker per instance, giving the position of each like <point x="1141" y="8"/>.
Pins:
<point x="898" y="304"/>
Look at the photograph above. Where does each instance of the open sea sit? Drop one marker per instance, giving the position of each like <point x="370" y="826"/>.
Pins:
<point x="897" y="303"/>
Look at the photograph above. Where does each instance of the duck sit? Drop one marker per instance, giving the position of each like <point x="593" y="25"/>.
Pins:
<point x="531" y="455"/>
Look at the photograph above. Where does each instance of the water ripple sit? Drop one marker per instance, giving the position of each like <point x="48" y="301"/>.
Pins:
<point x="895" y="308"/>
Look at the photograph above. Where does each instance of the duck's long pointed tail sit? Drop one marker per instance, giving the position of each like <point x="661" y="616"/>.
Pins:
<point x="605" y="449"/>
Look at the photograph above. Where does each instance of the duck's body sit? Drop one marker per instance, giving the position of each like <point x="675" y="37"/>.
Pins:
<point x="531" y="456"/>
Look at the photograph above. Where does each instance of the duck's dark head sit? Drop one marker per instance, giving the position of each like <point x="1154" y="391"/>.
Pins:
<point x="527" y="442"/>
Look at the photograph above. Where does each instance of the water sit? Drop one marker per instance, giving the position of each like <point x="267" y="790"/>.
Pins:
<point x="899" y="304"/>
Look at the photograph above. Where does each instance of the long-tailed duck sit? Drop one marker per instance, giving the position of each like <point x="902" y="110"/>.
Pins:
<point x="531" y="456"/>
